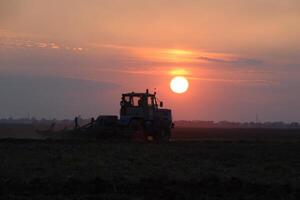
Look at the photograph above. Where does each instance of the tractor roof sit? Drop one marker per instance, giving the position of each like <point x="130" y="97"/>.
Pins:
<point x="139" y="93"/>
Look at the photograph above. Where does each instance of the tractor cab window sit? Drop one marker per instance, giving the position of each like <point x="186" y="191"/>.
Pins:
<point x="150" y="101"/>
<point x="125" y="101"/>
<point x="139" y="101"/>
<point x="136" y="101"/>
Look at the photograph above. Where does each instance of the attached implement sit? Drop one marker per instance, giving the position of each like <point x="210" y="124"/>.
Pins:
<point x="141" y="118"/>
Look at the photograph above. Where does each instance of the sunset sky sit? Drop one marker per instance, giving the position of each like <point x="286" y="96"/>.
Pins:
<point x="61" y="58"/>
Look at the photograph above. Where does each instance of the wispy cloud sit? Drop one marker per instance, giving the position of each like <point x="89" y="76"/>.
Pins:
<point x="238" y="60"/>
<point x="237" y="81"/>
<point x="11" y="40"/>
<point x="135" y="60"/>
<point x="177" y="55"/>
<point x="192" y="74"/>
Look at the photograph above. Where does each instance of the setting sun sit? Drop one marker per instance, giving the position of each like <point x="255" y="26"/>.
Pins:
<point x="179" y="84"/>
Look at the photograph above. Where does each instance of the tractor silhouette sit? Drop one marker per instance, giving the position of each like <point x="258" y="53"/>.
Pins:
<point x="141" y="118"/>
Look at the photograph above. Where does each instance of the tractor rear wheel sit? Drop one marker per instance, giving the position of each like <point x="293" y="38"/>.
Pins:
<point x="137" y="129"/>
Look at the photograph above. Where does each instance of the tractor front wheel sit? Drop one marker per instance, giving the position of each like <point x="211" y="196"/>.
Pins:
<point x="163" y="135"/>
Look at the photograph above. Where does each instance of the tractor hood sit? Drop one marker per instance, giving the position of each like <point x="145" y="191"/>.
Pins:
<point x="165" y="114"/>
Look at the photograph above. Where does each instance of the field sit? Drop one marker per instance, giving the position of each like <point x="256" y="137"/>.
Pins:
<point x="197" y="164"/>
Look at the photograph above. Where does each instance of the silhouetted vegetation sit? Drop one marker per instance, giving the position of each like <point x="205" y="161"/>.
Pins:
<point x="228" y="124"/>
<point x="179" y="123"/>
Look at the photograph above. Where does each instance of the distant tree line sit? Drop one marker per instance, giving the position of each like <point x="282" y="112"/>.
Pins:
<point x="66" y="123"/>
<point x="180" y="123"/>
<point x="228" y="124"/>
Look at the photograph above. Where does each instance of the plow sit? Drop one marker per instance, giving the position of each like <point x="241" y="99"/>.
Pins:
<point x="142" y="118"/>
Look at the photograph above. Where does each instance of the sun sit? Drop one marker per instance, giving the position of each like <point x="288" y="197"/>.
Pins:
<point x="179" y="84"/>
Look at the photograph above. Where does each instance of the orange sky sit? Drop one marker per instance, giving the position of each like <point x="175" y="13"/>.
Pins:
<point x="241" y="57"/>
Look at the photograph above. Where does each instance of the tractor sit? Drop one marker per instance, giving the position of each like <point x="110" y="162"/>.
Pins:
<point x="141" y="114"/>
<point x="141" y="118"/>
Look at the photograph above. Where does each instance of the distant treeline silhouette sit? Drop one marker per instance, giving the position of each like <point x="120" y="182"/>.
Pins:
<point x="228" y="124"/>
<point x="34" y="121"/>
<point x="179" y="123"/>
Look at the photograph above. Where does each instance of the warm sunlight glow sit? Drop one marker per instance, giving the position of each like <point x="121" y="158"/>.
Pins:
<point x="166" y="55"/>
<point x="179" y="72"/>
<point x="177" y="55"/>
<point x="177" y="52"/>
<point x="179" y="84"/>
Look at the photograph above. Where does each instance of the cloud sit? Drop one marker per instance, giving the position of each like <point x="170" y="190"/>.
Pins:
<point x="260" y="82"/>
<point x="114" y="60"/>
<point x="178" y="56"/>
<point x="11" y="40"/>
<point x="128" y="55"/>
<point x="242" y="61"/>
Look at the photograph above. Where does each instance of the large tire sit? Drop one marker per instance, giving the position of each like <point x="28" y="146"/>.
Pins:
<point x="137" y="129"/>
<point x="163" y="135"/>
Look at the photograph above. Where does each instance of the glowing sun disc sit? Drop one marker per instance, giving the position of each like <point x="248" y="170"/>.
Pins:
<point x="179" y="84"/>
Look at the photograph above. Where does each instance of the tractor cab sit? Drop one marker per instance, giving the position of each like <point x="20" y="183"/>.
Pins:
<point x="138" y="105"/>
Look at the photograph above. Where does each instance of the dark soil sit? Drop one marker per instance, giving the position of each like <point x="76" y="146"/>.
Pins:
<point x="205" y="169"/>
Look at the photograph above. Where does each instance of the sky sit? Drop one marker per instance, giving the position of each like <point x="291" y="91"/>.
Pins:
<point x="61" y="58"/>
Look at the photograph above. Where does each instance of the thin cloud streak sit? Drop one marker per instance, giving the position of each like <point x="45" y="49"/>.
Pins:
<point x="176" y="55"/>
<point x="247" y="61"/>
<point x="145" y="60"/>
<point x="197" y="78"/>
<point x="243" y="81"/>
<point x="10" y="40"/>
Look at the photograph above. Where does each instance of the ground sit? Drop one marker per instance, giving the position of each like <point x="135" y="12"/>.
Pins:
<point x="211" y="167"/>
